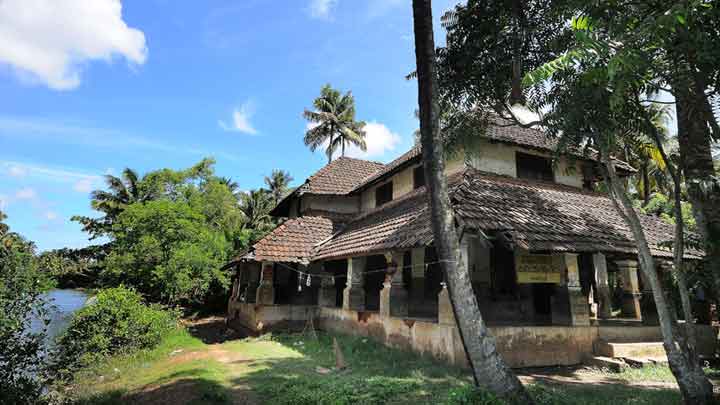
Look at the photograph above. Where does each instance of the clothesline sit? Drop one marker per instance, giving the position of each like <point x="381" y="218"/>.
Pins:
<point x="308" y="276"/>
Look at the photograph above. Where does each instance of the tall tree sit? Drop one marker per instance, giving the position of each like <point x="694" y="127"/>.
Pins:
<point x="122" y="191"/>
<point x="278" y="184"/>
<point x="333" y="121"/>
<point x="256" y="206"/>
<point x="588" y="101"/>
<point x="488" y="367"/>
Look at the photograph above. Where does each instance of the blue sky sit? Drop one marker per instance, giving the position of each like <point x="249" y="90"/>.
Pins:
<point x="90" y="88"/>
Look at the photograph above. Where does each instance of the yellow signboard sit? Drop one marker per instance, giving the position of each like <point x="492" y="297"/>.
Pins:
<point x="536" y="269"/>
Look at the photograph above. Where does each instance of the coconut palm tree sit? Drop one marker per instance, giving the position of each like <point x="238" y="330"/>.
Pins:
<point x="256" y="206"/>
<point x="122" y="191"/>
<point x="231" y="184"/>
<point x="333" y="123"/>
<point x="278" y="184"/>
<point x="488" y="367"/>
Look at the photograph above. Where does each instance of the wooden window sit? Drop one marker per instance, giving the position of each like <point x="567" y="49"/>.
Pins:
<point x="418" y="177"/>
<point x="383" y="194"/>
<point x="533" y="167"/>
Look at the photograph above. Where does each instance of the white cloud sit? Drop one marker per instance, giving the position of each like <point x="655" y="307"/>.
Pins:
<point x="4" y="201"/>
<point x="16" y="171"/>
<point x="50" y="215"/>
<point x="26" y="193"/>
<point x="322" y="9"/>
<point x="241" y="119"/>
<point x="48" y="172"/>
<point x="51" y="41"/>
<point x="379" y="140"/>
<point x="83" y="185"/>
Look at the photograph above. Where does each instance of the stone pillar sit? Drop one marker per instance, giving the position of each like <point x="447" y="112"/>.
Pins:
<point x="603" y="288"/>
<point x="417" y="289"/>
<point x="446" y="315"/>
<point x="647" y="299"/>
<point x="354" y="293"/>
<point x="326" y="295"/>
<point x="394" y="296"/>
<point x="265" y="294"/>
<point x="570" y="306"/>
<point x="631" y="290"/>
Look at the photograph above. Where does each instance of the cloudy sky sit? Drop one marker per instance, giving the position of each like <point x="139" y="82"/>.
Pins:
<point x="93" y="86"/>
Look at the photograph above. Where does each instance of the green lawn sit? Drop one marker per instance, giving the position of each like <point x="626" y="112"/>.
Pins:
<point x="289" y="369"/>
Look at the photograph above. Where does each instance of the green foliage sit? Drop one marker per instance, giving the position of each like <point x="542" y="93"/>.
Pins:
<point x="71" y="268"/>
<point x="469" y="395"/>
<point x="663" y="207"/>
<point x="167" y="250"/>
<point x="21" y="301"/>
<point x="115" y="322"/>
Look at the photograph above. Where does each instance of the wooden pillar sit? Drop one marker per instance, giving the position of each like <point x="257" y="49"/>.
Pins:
<point x="631" y="289"/>
<point x="570" y="306"/>
<point x="417" y="285"/>
<point x="603" y="288"/>
<point x="394" y="296"/>
<point x="265" y="294"/>
<point x="326" y="295"/>
<point x="354" y="293"/>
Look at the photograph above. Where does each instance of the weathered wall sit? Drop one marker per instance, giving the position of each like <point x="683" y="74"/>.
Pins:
<point x="520" y="346"/>
<point x="340" y="204"/>
<point x="403" y="181"/>
<point x="499" y="158"/>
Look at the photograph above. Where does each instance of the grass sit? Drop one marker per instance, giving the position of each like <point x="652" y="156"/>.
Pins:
<point x="291" y="369"/>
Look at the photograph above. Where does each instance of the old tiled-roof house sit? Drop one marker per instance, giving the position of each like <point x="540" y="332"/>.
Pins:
<point x="355" y="254"/>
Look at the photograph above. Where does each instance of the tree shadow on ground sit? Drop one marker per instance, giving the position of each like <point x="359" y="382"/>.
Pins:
<point x="377" y="374"/>
<point x="214" y="330"/>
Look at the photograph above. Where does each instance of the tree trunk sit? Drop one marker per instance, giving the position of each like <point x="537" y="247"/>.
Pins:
<point x="343" y="148"/>
<point x="330" y="146"/>
<point x="489" y="370"/>
<point x="694" y="385"/>
<point x="679" y="243"/>
<point x="703" y="185"/>
<point x="646" y="183"/>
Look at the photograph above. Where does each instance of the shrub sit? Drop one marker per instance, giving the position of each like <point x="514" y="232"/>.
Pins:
<point x="115" y="322"/>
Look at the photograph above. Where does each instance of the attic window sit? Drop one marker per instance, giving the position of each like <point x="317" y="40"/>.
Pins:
<point x="533" y="167"/>
<point x="383" y="194"/>
<point x="418" y="177"/>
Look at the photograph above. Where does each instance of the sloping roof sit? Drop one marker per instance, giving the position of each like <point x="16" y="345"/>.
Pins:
<point x="539" y="216"/>
<point x="499" y="131"/>
<point x="338" y="177"/>
<point x="294" y="240"/>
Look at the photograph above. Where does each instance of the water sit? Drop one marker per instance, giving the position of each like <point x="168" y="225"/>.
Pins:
<point x="64" y="304"/>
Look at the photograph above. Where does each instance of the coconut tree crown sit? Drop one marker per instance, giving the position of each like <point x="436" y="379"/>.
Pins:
<point x="333" y="123"/>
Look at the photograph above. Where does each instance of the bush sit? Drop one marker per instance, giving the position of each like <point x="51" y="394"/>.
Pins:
<point x="115" y="322"/>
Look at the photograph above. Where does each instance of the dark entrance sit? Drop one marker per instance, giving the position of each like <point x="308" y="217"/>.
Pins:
<point x="374" y="277"/>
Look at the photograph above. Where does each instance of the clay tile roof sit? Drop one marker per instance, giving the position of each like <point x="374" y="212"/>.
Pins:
<point x="293" y="241"/>
<point x="500" y="131"/>
<point x="539" y="216"/>
<point x="340" y="176"/>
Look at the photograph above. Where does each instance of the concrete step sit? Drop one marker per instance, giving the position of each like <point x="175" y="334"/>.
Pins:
<point x="606" y="363"/>
<point x="638" y="350"/>
<point x="640" y="362"/>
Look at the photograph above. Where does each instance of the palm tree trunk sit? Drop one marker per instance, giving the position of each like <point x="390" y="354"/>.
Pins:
<point x="343" y="148"/>
<point x="330" y="146"/>
<point x="703" y="185"/>
<point x="646" y="183"/>
<point x="693" y="384"/>
<point x="488" y="367"/>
